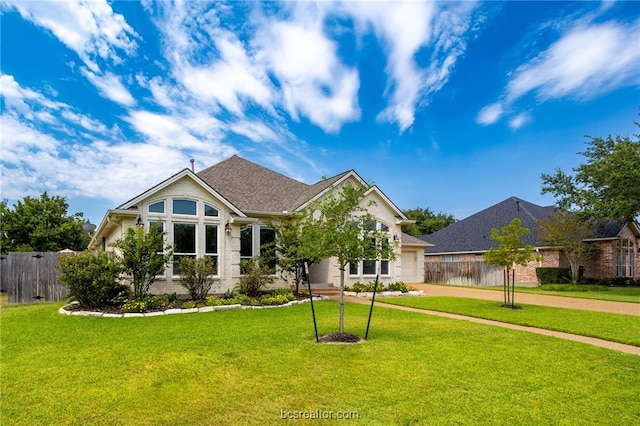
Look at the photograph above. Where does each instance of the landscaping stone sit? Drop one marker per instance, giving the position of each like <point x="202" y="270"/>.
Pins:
<point x="190" y="311"/>
<point x="133" y="315"/>
<point x="153" y="314"/>
<point x="87" y="314"/>
<point x="206" y="309"/>
<point x="226" y="307"/>
<point x="112" y="316"/>
<point x="173" y="311"/>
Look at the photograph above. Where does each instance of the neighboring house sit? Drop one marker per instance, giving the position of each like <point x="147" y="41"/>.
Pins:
<point x="467" y="240"/>
<point x="223" y="212"/>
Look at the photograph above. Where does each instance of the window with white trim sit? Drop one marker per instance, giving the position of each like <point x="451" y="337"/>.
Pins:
<point x="185" y="207"/>
<point x="156" y="208"/>
<point x="624" y="258"/>
<point x="256" y="240"/>
<point x="211" y="244"/>
<point x="372" y="267"/>
<point x="184" y="243"/>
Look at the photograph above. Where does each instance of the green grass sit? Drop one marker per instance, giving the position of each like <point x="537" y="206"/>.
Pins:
<point x="245" y="366"/>
<point x="614" y="294"/>
<point x="614" y="327"/>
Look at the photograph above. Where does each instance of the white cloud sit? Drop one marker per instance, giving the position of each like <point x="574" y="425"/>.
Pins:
<point x="405" y="28"/>
<point x="490" y="114"/>
<point x="111" y="87"/>
<point x="586" y="61"/>
<point x="519" y="120"/>
<point x="90" y="28"/>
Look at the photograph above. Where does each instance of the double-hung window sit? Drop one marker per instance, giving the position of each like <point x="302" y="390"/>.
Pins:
<point x="211" y="244"/>
<point x="258" y="240"/>
<point x="372" y="267"/>
<point x="184" y="243"/>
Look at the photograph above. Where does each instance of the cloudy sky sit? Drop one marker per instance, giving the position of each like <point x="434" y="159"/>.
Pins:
<point x="453" y="106"/>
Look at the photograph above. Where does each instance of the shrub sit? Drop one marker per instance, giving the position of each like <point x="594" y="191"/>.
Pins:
<point x="92" y="278"/>
<point x="195" y="276"/>
<point x="143" y="304"/>
<point x="189" y="304"/>
<point x="215" y="301"/>
<point x="278" y="299"/>
<point x="359" y="287"/>
<point x="550" y="275"/>
<point x="257" y="276"/>
<point x="400" y="286"/>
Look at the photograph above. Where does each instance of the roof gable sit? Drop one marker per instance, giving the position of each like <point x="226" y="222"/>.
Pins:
<point x="472" y="233"/>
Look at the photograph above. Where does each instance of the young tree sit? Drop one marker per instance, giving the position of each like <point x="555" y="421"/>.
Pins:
<point x="143" y="256"/>
<point x="568" y="231"/>
<point x="41" y="224"/>
<point x="607" y="186"/>
<point x="289" y="249"/>
<point x="511" y="251"/>
<point x="339" y="225"/>
<point x="427" y="222"/>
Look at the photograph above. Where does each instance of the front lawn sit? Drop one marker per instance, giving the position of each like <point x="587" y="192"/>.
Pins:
<point x="614" y="327"/>
<point x="258" y="366"/>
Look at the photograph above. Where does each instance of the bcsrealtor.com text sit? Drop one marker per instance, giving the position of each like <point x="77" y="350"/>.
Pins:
<point x="319" y="414"/>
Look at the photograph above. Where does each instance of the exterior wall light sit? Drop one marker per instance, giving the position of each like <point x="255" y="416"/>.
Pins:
<point x="227" y="228"/>
<point x="139" y="223"/>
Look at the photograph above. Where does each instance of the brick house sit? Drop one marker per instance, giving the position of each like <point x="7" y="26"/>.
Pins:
<point x="466" y="241"/>
<point x="224" y="212"/>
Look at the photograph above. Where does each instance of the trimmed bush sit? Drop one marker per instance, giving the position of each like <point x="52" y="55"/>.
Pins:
<point x="92" y="278"/>
<point x="550" y="275"/>
<point x="195" y="276"/>
<point x="257" y="275"/>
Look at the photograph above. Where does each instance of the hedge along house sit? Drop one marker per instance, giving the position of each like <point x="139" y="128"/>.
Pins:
<point x="460" y="247"/>
<point x="224" y="212"/>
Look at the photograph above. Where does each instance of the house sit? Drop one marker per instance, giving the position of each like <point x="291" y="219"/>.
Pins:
<point x="224" y="212"/>
<point x="462" y="245"/>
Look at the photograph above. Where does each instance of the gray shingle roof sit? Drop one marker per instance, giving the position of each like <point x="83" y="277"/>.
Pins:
<point x="472" y="233"/>
<point x="253" y="188"/>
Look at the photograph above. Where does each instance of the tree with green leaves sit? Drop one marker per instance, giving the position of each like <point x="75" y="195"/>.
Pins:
<point x="607" y="186"/>
<point x="143" y="256"/>
<point x="340" y="226"/>
<point x="41" y="224"/>
<point x="196" y="276"/>
<point x="289" y="249"/>
<point x="427" y="222"/>
<point x="568" y="232"/>
<point x="511" y="251"/>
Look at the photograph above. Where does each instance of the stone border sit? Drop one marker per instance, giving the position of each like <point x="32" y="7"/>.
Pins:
<point x="385" y="293"/>
<point x="177" y="311"/>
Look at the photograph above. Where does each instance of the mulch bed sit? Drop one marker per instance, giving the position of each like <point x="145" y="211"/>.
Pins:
<point x="340" y="338"/>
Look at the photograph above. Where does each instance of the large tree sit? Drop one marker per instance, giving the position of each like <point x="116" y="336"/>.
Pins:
<point x="427" y="222"/>
<point x="568" y="232"/>
<point x="339" y="225"/>
<point x="607" y="186"/>
<point x="511" y="251"/>
<point x="41" y="224"/>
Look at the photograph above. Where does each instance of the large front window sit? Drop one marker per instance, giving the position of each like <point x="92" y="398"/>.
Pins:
<point x="624" y="258"/>
<point x="258" y="240"/>
<point x="184" y="243"/>
<point x="372" y="267"/>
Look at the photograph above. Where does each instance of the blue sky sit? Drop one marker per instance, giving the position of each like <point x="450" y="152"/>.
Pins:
<point x="453" y="106"/>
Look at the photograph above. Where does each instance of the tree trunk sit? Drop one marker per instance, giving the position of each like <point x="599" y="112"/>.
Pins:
<point x="341" y="300"/>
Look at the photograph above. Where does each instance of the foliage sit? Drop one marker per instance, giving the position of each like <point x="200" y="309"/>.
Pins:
<point x="568" y="231"/>
<point x="572" y="287"/>
<point x="290" y="249"/>
<point x="427" y="222"/>
<point x="359" y="287"/>
<point x="143" y="256"/>
<point x="195" y="276"/>
<point x="257" y="276"/>
<point x="141" y="304"/>
<point x="400" y="286"/>
<point x="612" y="281"/>
<point x="338" y="225"/>
<point x="41" y="224"/>
<point x="511" y="251"/>
<point x="607" y="185"/>
<point x="553" y="275"/>
<point x="277" y="299"/>
<point x="91" y="278"/>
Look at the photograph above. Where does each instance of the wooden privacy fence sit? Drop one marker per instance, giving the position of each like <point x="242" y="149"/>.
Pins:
<point x="31" y="277"/>
<point x="472" y="273"/>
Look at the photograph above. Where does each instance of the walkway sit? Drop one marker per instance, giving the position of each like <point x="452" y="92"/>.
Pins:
<point x="524" y="298"/>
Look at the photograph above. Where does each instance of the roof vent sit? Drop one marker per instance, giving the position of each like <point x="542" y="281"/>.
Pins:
<point x="517" y="205"/>
<point x="192" y="163"/>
